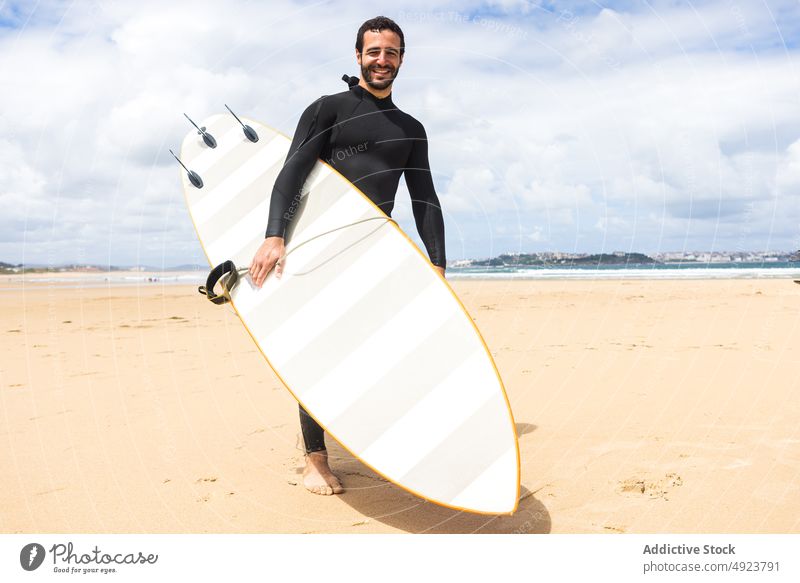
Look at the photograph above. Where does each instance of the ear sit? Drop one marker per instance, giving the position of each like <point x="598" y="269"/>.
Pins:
<point x="358" y="58"/>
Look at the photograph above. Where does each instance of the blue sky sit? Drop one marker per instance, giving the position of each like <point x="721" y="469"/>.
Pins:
<point x="571" y="126"/>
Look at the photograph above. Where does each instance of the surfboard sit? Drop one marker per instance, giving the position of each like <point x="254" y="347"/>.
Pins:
<point x="361" y="329"/>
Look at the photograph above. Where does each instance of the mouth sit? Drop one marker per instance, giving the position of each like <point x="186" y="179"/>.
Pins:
<point x="381" y="71"/>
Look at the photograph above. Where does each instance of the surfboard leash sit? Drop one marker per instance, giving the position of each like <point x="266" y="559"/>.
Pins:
<point x="229" y="276"/>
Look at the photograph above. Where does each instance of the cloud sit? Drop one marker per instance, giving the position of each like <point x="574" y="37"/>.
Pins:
<point x="585" y="127"/>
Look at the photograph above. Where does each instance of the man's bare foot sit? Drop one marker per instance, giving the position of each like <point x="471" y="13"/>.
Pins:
<point x="318" y="477"/>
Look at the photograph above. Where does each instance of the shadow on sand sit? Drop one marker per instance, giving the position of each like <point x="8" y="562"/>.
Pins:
<point x="371" y="495"/>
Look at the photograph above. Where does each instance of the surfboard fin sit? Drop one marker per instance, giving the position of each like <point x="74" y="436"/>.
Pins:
<point x="248" y="131"/>
<point x="194" y="177"/>
<point x="207" y="138"/>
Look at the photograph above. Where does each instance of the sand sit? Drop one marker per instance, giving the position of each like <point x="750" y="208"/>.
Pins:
<point x="641" y="406"/>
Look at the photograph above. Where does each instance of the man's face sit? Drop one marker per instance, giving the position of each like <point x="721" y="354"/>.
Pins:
<point x="380" y="60"/>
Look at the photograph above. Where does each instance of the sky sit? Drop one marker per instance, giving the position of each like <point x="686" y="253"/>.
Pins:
<point x="587" y="127"/>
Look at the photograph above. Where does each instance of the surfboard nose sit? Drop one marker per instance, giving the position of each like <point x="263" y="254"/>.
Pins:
<point x="495" y="490"/>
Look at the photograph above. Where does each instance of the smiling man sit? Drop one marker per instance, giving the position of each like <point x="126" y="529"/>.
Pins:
<point x="364" y="136"/>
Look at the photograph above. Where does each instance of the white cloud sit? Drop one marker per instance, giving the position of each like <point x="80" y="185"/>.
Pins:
<point x="608" y="127"/>
<point x="788" y="174"/>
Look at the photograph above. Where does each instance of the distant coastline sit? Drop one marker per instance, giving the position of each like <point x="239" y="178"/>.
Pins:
<point x="619" y="258"/>
<point x="540" y="266"/>
<point x="10" y="268"/>
<point x="553" y="259"/>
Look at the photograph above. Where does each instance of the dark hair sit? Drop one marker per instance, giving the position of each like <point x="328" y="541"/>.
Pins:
<point x="378" y="24"/>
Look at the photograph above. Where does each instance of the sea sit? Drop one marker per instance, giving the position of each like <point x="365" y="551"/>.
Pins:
<point x="684" y="271"/>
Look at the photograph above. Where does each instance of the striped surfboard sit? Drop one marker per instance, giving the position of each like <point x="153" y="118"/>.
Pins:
<point x="360" y="329"/>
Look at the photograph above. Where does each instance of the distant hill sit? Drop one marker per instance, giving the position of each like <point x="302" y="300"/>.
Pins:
<point x="615" y="259"/>
<point x="536" y="260"/>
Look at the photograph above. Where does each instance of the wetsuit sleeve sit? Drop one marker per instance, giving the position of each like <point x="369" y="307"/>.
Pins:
<point x="310" y="137"/>
<point x="424" y="202"/>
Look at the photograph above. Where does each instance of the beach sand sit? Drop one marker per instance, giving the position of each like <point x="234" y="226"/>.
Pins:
<point x="641" y="406"/>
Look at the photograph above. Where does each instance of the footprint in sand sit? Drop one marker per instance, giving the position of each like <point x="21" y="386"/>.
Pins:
<point x="659" y="488"/>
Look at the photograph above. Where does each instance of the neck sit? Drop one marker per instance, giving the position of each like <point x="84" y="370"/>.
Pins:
<point x="379" y="93"/>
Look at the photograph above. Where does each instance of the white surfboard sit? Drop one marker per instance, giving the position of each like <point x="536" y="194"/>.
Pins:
<point x="360" y="328"/>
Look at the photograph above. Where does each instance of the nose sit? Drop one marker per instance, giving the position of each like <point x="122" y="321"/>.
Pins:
<point x="382" y="58"/>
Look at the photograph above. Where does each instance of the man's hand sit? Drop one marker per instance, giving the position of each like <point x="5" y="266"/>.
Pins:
<point x="439" y="269"/>
<point x="267" y="256"/>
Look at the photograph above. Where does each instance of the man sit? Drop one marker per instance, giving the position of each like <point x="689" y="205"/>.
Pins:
<point x="364" y="136"/>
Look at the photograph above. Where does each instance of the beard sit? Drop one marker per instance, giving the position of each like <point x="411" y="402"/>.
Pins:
<point x="366" y="73"/>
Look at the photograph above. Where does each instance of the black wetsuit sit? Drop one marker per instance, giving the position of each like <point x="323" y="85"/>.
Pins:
<point x="371" y="143"/>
